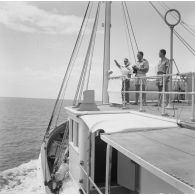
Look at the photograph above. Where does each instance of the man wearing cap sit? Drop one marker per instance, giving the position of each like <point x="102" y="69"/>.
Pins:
<point x="126" y="71"/>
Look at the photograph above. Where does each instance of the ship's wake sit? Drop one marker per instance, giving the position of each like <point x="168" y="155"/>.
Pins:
<point x="21" y="179"/>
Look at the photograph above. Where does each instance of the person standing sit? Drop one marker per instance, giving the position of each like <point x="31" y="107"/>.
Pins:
<point x="162" y="69"/>
<point x="126" y="71"/>
<point x="141" y="68"/>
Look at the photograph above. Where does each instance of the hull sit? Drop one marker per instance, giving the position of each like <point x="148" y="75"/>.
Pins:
<point x="47" y="158"/>
<point x="42" y="171"/>
<point x="45" y="173"/>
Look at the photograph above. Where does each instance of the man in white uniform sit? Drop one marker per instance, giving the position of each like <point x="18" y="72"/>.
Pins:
<point x="126" y="71"/>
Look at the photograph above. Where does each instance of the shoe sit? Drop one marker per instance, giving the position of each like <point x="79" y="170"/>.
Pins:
<point x="135" y="103"/>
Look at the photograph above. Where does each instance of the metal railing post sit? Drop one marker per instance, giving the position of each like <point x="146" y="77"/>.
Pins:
<point x="108" y="168"/>
<point x="123" y="92"/>
<point x="89" y="164"/>
<point x="193" y="97"/>
<point x="163" y="96"/>
<point x="141" y="95"/>
<point x="90" y="180"/>
<point x="163" y="92"/>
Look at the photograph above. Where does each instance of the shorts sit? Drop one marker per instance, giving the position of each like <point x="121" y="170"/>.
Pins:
<point x="159" y="80"/>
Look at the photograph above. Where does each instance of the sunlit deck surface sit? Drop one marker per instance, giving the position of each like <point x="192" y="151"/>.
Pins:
<point x="181" y="111"/>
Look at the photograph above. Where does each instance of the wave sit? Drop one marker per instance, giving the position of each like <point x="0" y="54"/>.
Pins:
<point x="21" y="179"/>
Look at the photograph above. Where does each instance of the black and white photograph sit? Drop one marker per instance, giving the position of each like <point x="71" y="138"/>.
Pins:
<point x="97" y="97"/>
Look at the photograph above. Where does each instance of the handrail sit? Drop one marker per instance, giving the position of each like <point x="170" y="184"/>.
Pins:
<point x="82" y="189"/>
<point x="91" y="180"/>
<point x="147" y="77"/>
<point x="193" y="98"/>
<point x="159" y="92"/>
<point x="163" y="92"/>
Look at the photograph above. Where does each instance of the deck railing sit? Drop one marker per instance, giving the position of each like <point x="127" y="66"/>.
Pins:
<point x="183" y="76"/>
<point x="90" y="180"/>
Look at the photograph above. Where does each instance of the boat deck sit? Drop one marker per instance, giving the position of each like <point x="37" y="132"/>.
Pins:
<point x="167" y="153"/>
<point x="181" y="111"/>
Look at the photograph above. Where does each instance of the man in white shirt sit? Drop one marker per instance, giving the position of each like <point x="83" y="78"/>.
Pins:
<point x="126" y="71"/>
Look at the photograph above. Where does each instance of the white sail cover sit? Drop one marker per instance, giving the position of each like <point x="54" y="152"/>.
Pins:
<point x="112" y="123"/>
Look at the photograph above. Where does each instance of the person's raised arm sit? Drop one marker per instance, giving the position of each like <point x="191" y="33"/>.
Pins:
<point x="117" y="64"/>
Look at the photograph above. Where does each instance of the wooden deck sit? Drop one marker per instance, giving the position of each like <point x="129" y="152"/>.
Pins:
<point x="167" y="153"/>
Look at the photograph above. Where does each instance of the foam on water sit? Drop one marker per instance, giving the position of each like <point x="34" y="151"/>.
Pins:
<point x="21" y="179"/>
<point x="68" y="187"/>
<point x="27" y="179"/>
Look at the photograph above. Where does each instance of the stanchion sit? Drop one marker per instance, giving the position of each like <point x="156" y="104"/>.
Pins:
<point x="193" y="97"/>
<point x="163" y="97"/>
<point x="171" y="25"/>
<point x="123" y="93"/>
<point x="89" y="164"/>
<point x="108" y="169"/>
<point x="141" y="96"/>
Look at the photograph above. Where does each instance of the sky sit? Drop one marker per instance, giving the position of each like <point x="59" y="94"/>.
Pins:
<point x="37" y="39"/>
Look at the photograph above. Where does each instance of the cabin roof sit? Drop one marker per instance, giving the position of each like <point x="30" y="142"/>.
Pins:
<point x="121" y="122"/>
<point x="113" y="119"/>
<point x="167" y="153"/>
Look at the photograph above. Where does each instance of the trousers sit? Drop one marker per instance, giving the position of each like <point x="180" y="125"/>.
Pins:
<point x="125" y="87"/>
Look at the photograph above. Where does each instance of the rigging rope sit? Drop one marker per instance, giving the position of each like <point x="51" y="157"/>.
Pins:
<point x="126" y="33"/>
<point x="182" y="23"/>
<point x="89" y="69"/>
<point x="125" y="18"/>
<point x="67" y="70"/>
<point x="188" y="46"/>
<point x="176" y="66"/>
<point x="192" y="51"/>
<point x="81" y="40"/>
<point x="183" y="41"/>
<point x="90" y="63"/>
<point x="131" y="25"/>
<point x="91" y="50"/>
<point x="86" y="62"/>
<point x="189" y="26"/>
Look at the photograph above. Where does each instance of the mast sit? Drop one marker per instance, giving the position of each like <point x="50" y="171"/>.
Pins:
<point x="171" y="25"/>
<point x="171" y="65"/>
<point x="106" y="63"/>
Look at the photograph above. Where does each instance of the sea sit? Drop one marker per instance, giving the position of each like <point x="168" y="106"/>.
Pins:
<point x="23" y="122"/>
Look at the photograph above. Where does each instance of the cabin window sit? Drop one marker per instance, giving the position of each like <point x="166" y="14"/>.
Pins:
<point x="71" y="130"/>
<point x="74" y="133"/>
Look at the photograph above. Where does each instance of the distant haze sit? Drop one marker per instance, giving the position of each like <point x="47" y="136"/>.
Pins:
<point x="37" y="39"/>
